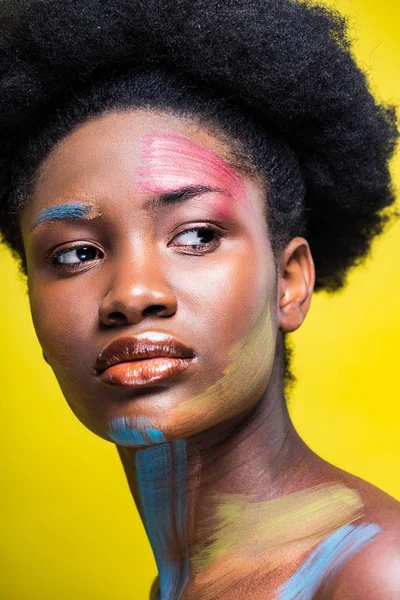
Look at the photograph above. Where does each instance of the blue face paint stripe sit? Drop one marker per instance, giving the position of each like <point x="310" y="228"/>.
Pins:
<point x="155" y="436"/>
<point x="164" y="511"/>
<point x="181" y="474"/>
<point x="62" y="211"/>
<point x="122" y="433"/>
<point x="327" y="559"/>
<point x="161" y="473"/>
<point x="153" y="467"/>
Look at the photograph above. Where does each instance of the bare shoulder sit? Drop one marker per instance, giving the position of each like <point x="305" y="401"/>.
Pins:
<point x="373" y="572"/>
<point x="379" y="507"/>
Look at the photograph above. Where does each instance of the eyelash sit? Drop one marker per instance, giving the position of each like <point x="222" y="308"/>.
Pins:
<point x="201" y="228"/>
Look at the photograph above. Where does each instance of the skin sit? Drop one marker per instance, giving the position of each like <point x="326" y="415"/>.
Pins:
<point x="222" y="457"/>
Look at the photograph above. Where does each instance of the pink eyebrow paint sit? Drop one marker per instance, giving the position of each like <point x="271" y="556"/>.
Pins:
<point x="170" y="162"/>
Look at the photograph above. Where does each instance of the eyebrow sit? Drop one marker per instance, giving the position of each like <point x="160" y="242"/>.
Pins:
<point x="67" y="211"/>
<point x="75" y="211"/>
<point x="178" y="196"/>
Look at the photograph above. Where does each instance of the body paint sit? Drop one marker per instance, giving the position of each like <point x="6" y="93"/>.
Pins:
<point x="244" y="532"/>
<point x="252" y="354"/>
<point x="162" y="476"/>
<point x="66" y="211"/>
<point x="161" y="473"/>
<point x="327" y="558"/>
<point x="170" y="162"/>
<point x="122" y="432"/>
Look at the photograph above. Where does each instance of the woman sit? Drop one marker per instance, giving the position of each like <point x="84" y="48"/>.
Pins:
<point x="177" y="179"/>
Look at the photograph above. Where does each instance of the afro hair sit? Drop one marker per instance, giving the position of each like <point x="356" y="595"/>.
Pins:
<point x="287" y="64"/>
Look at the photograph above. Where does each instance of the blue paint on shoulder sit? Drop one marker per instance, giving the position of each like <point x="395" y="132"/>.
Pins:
<point x="326" y="560"/>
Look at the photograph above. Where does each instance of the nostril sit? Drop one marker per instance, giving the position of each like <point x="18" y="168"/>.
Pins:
<point x="155" y="309"/>
<point x="117" y="317"/>
<point x="120" y="317"/>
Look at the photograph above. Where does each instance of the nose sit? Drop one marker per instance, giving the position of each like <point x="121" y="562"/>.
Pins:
<point x="137" y="292"/>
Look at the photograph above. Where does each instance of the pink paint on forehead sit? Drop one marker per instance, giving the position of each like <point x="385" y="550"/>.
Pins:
<point x="169" y="162"/>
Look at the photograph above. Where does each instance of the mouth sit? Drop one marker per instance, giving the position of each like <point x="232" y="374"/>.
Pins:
<point x="143" y="359"/>
<point x="142" y="372"/>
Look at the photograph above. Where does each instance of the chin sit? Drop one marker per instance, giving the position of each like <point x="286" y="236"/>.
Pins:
<point x="142" y="431"/>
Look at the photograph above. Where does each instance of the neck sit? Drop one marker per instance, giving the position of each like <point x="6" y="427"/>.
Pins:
<point x="178" y="486"/>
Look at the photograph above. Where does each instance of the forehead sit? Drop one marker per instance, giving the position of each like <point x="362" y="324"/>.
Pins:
<point x="131" y="140"/>
<point x="124" y="157"/>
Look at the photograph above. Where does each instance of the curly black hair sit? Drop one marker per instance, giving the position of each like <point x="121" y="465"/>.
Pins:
<point x="276" y="77"/>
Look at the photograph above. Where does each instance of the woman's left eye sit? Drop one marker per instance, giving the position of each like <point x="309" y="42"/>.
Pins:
<point x="199" y="238"/>
<point x="76" y="256"/>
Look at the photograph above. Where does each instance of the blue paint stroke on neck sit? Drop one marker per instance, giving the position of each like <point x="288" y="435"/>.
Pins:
<point x="324" y="562"/>
<point x="63" y="211"/>
<point x="181" y="474"/>
<point x="122" y="432"/>
<point x="162" y="476"/>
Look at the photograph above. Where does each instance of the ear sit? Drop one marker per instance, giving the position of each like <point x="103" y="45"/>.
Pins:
<point x="296" y="284"/>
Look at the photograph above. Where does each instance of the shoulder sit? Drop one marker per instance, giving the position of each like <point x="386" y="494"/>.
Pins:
<point x="373" y="573"/>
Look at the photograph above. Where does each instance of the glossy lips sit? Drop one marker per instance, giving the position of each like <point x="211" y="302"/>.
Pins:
<point x="138" y="360"/>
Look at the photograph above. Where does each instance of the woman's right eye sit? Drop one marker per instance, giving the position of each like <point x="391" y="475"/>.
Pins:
<point x="73" y="257"/>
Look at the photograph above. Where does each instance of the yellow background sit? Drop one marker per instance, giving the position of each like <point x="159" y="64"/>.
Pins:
<point x="69" y="528"/>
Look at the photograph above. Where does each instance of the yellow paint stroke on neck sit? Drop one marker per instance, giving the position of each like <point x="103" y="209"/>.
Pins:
<point x="254" y="356"/>
<point x="243" y="534"/>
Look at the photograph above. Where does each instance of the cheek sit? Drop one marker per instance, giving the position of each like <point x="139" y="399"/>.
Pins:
<point x="62" y="321"/>
<point x="240" y="321"/>
<point x="228" y="293"/>
<point x="248" y="366"/>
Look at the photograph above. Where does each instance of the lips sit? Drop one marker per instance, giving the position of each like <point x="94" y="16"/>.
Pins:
<point x="138" y="360"/>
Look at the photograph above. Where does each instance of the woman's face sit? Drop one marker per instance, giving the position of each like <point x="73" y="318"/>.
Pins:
<point x="139" y="225"/>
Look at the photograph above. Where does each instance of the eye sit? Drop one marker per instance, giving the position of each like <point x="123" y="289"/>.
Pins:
<point x="199" y="238"/>
<point x="72" y="257"/>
